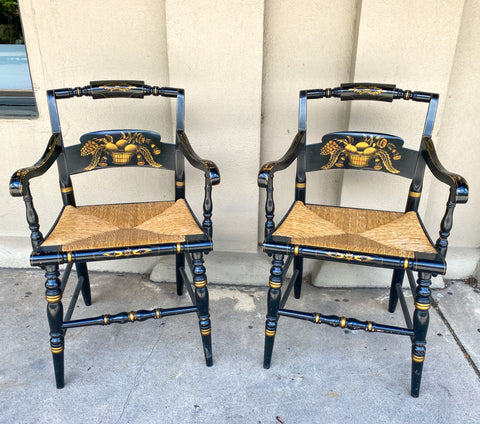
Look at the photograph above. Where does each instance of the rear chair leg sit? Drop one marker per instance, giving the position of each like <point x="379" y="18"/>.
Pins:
<point x="397" y="278"/>
<point x="420" y="327"/>
<point x="201" y="300"/>
<point x="179" y="263"/>
<point x="82" y="271"/>
<point x="273" y="303"/>
<point x="55" y="319"/>
<point x="298" y="265"/>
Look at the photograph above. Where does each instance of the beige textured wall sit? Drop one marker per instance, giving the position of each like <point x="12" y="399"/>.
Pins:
<point x="215" y="53"/>
<point x="242" y="64"/>
<point x="307" y="44"/>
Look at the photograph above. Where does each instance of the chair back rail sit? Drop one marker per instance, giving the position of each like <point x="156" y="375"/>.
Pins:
<point x="119" y="148"/>
<point x="351" y="150"/>
<point x="103" y="149"/>
<point x="361" y="150"/>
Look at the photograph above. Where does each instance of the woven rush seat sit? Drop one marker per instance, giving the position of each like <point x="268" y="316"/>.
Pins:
<point x="359" y="230"/>
<point x="358" y="237"/>
<point x="110" y="232"/>
<point x="121" y="225"/>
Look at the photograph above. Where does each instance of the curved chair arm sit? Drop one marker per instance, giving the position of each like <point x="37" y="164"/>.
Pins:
<point x="267" y="170"/>
<point x="20" y="179"/>
<point x="20" y="186"/>
<point x="212" y="177"/>
<point x="458" y="185"/>
<point x="265" y="179"/>
<point x="211" y="171"/>
<point x="458" y="192"/>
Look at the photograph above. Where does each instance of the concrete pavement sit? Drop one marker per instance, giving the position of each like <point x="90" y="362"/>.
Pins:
<point x="155" y="372"/>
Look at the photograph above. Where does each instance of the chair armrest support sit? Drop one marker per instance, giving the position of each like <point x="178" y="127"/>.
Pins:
<point x="266" y="171"/>
<point x="265" y="179"/>
<point x="458" y="192"/>
<point x="211" y="171"/>
<point x="19" y="181"/>
<point x="212" y="177"/>
<point x="458" y="185"/>
<point x="20" y="186"/>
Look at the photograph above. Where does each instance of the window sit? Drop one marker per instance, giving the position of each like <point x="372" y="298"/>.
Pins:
<point x="16" y="92"/>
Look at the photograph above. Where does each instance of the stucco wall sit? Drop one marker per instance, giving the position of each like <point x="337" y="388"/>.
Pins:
<point x="242" y="64"/>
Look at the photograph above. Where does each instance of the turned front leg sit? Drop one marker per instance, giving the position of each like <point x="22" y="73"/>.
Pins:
<point x="201" y="300"/>
<point x="55" y="319"/>
<point x="273" y="303"/>
<point x="420" y="328"/>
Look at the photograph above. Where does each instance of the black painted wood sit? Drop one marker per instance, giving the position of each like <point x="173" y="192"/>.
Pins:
<point x="342" y="322"/>
<point x="274" y="298"/>
<point x="352" y="151"/>
<point x="120" y="148"/>
<point x="362" y="151"/>
<point x="107" y="149"/>
<point x="202" y="301"/>
<point x="126" y="317"/>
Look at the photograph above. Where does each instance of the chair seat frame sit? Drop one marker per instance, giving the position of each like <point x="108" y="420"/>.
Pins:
<point x="426" y="265"/>
<point x="191" y="250"/>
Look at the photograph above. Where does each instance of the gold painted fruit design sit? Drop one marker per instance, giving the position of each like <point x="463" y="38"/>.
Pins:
<point x="360" y="155"/>
<point x="121" y="151"/>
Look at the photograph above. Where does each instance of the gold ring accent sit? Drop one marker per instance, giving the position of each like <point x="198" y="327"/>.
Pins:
<point x="179" y="183"/>
<point x="69" y="256"/>
<point x="200" y="284"/>
<point x="370" y="326"/>
<point x="56" y="350"/>
<point x="131" y="316"/>
<point x="54" y="299"/>
<point x="205" y="332"/>
<point x="270" y="333"/>
<point x="317" y="318"/>
<point x="416" y="358"/>
<point x="343" y="322"/>
<point x="414" y="194"/>
<point x="328" y="92"/>
<point x="274" y="285"/>
<point x="405" y="263"/>
<point x="105" y="319"/>
<point x="300" y="185"/>
<point x="422" y="306"/>
<point x="296" y="250"/>
<point x="157" y="313"/>
<point x="67" y="189"/>
<point x="179" y="247"/>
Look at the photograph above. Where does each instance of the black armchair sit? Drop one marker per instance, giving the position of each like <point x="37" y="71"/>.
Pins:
<point x="83" y="234"/>
<point x="368" y="237"/>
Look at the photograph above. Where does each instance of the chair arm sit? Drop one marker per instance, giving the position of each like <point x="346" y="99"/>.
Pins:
<point x="20" y="179"/>
<point x="211" y="171"/>
<point x="267" y="170"/>
<point x="458" y="185"/>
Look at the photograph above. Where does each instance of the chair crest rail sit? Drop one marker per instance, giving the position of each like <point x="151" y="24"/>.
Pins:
<point x="369" y="91"/>
<point x="115" y="88"/>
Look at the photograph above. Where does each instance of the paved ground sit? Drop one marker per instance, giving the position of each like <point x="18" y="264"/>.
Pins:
<point x="154" y="371"/>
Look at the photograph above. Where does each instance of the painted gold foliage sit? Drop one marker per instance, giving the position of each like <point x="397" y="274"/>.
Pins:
<point x="360" y="155"/>
<point x="367" y="90"/>
<point x="122" y="151"/>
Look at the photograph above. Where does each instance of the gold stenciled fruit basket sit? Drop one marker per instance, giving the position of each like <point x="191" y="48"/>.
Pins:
<point x="121" y="154"/>
<point x="360" y="154"/>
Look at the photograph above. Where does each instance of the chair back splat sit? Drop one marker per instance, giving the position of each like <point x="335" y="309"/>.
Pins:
<point x="116" y="231"/>
<point x="369" y="237"/>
